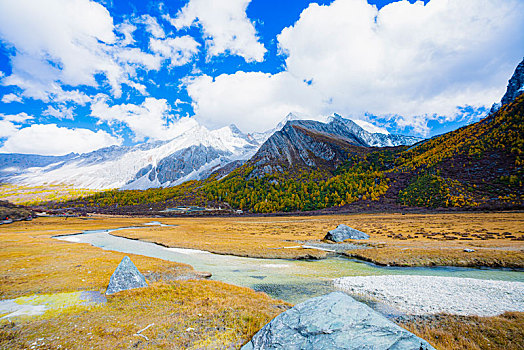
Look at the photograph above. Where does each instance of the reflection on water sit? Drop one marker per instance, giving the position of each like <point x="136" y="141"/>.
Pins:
<point x="290" y="280"/>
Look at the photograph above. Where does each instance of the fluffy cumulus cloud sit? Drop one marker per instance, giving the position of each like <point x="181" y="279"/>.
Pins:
<point x="151" y="119"/>
<point x="8" y="98"/>
<point x="50" y="139"/>
<point x="225" y="25"/>
<point x="10" y="124"/>
<point x="408" y="63"/>
<point x="60" y="44"/>
<point x="252" y="101"/>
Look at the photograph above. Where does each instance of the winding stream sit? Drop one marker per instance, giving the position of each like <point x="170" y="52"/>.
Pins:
<point x="290" y="280"/>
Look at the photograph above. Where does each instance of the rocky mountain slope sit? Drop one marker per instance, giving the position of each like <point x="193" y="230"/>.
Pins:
<point x="193" y="154"/>
<point x="514" y="89"/>
<point x="312" y="144"/>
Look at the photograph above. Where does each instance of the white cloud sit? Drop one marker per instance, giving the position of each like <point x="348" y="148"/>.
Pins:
<point x="370" y="127"/>
<point x="16" y="118"/>
<point x="153" y="27"/>
<point x="126" y="29"/>
<point x="151" y="119"/>
<point x="7" y="128"/>
<point x="11" y="98"/>
<point x="9" y="124"/>
<point x="178" y="51"/>
<point x="253" y="101"/>
<point x="67" y="42"/>
<point x="414" y="60"/>
<point x="419" y="62"/>
<point x="49" y="139"/>
<point x="225" y="25"/>
<point x="60" y="112"/>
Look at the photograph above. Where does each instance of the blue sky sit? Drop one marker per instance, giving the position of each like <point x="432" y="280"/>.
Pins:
<point x="77" y="75"/>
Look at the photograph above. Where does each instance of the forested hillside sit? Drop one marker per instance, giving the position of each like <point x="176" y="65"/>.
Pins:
<point x="479" y="165"/>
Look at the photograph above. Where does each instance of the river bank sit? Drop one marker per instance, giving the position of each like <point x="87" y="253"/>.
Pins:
<point x="207" y="314"/>
<point x="188" y="312"/>
<point x="491" y="239"/>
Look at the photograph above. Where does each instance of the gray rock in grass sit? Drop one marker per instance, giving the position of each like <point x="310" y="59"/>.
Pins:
<point x="334" y="321"/>
<point x="126" y="276"/>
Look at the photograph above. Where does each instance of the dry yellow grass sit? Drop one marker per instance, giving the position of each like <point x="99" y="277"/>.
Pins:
<point x="33" y="195"/>
<point x="447" y="332"/>
<point x="405" y="240"/>
<point x="208" y="314"/>
<point x="186" y="314"/>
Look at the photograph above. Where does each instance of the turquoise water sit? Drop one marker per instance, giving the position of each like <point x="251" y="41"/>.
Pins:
<point x="290" y="280"/>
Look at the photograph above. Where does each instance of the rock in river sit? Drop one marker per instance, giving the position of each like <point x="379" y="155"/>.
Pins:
<point x="126" y="276"/>
<point x="334" y="321"/>
<point x="343" y="232"/>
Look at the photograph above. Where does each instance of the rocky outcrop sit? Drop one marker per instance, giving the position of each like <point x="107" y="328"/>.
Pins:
<point x="514" y="90"/>
<point x="343" y="232"/>
<point x="126" y="276"/>
<point x="313" y="144"/>
<point x="334" y="321"/>
<point x="515" y="85"/>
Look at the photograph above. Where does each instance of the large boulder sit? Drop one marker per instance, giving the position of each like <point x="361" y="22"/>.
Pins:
<point x="334" y="321"/>
<point x="126" y="276"/>
<point x="343" y="232"/>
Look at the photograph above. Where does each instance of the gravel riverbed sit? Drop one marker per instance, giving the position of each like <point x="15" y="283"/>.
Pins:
<point x="422" y="295"/>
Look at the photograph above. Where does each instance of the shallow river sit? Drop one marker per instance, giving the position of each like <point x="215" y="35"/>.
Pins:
<point x="290" y="280"/>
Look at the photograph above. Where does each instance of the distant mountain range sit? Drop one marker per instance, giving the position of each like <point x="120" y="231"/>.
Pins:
<point x="193" y="155"/>
<point x="304" y="165"/>
<point x="338" y="166"/>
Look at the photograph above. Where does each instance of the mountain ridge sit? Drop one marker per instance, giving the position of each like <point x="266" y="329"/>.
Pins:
<point x="193" y="154"/>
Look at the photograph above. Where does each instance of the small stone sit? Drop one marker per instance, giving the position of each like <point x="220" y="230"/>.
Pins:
<point x="126" y="276"/>
<point x="343" y="232"/>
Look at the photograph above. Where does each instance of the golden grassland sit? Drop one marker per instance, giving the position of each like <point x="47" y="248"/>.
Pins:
<point x="186" y="313"/>
<point x="33" y="195"/>
<point x="403" y="240"/>
<point x="203" y="314"/>
<point x="450" y="332"/>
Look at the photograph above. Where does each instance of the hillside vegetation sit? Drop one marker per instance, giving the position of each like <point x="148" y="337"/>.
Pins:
<point x="479" y="165"/>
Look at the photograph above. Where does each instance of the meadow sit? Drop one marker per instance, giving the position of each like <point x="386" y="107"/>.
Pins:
<point x="395" y="239"/>
<point x="189" y="312"/>
<point x="35" y="195"/>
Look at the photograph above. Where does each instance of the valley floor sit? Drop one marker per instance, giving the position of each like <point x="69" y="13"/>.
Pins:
<point x="496" y="238"/>
<point x="190" y="312"/>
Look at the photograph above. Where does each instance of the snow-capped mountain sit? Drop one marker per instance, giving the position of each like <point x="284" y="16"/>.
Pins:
<point x="191" y="155"/>
<point x="372" y="138"/>
<point x="314" y="144"/>
<point x="262" y="137"/>
<point x="194" y="153"/>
